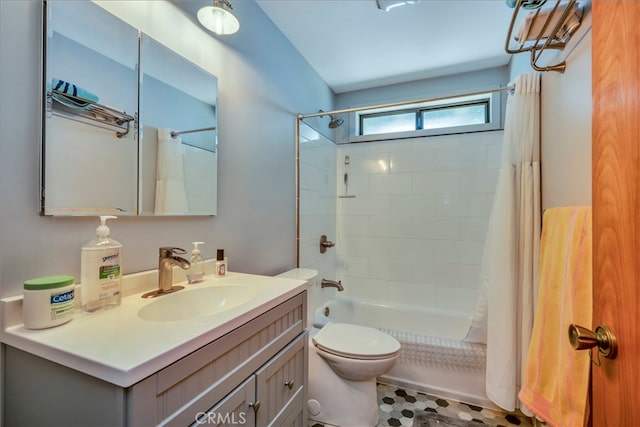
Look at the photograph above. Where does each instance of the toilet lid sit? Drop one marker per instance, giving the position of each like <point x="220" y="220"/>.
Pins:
<point x="354" y="341"/>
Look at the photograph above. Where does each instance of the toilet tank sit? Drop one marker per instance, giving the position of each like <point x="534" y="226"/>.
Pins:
<point x="310" y="276"/>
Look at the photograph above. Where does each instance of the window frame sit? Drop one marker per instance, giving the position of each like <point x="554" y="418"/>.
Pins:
<point x="495" y="112"/>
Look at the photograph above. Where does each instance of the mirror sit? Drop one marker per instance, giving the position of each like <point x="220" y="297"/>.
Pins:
<point x="176" y="96"/>
<point x="130" y="127"/>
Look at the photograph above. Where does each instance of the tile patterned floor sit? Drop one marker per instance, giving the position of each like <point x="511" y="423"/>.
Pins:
<point x="400" y="407"/>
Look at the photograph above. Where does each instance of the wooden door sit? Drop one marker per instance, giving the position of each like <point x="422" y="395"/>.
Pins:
<point x="616" y="207"/>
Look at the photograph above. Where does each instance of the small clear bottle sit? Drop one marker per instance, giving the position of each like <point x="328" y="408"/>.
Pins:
<point x="195" y="273"/>
<point x="221" y="263"/>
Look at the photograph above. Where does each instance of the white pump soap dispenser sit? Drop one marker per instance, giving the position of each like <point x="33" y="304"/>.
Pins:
<point x="195" y="273"/>
<point x="100" y="270"/>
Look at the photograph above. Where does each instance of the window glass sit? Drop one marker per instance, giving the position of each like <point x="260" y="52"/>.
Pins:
<point x="455" y="116"/>
<point x="387" y="123"/>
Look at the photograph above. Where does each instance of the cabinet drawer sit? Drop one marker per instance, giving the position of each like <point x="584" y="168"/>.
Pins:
<point x="233" y="409"/>
<point x="281" y="383"/>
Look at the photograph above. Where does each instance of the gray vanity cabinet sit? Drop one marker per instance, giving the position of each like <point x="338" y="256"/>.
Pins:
<point x="263" y="360"/>
<point x="275" y="393"/>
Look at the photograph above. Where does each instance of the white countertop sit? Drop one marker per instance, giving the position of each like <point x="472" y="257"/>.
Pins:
<point x="119" y="347"/>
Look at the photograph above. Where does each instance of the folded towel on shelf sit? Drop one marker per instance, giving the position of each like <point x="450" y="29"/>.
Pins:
<point x="534" y="23"/>
<point x="72" y="95"/>
<point x="556" y="377"/>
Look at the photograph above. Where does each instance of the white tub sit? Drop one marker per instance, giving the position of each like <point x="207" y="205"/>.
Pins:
<point x="433" y="358"/>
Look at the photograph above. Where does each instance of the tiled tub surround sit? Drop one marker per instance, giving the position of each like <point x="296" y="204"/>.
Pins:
<point x="414" y="233"/>
<point x="411" y="241"/>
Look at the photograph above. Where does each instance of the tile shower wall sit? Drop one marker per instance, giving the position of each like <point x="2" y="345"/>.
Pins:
<point x="415" y="230"/>
<point x="317" y="201"/>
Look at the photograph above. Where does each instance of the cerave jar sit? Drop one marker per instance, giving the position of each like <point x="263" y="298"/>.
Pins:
<point x="48" y="301"/>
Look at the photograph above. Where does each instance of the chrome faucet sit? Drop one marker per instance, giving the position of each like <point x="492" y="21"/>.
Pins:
<point x="168" y="258"/>
<point x="326" y="283"/>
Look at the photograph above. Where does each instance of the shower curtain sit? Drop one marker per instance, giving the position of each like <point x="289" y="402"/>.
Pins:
<point x="171" y="197"/>
<point x="509" y="268"/>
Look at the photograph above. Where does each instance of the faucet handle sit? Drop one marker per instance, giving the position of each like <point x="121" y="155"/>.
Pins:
<point x="168" y="251"/>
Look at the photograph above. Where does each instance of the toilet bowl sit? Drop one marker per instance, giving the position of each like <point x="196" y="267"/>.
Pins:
<point x="344" y="361"/>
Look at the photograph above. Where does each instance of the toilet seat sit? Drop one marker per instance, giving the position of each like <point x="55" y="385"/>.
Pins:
<point x="355" y="342"/>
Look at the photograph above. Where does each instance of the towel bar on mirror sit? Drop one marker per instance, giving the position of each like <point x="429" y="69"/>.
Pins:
<point x="81" y="110"/>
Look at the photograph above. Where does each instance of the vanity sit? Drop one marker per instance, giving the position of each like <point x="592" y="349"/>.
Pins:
<point x="240" y="359"/>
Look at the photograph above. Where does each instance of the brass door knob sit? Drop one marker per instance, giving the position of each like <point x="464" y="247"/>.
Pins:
<point x="582" y="338"/>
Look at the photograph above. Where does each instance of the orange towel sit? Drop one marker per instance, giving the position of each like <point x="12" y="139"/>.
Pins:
<point x="556" y="377"/>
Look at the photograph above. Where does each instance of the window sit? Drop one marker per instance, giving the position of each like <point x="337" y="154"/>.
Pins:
<point x="433" y="115"/>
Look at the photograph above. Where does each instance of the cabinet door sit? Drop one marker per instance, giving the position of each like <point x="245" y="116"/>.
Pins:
<point x="281" y="384"/>
<point x="235" y="409"/>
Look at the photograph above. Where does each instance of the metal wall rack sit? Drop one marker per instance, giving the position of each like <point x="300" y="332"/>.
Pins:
<point x="543" y="18"/>
<point x="76" y="108"/>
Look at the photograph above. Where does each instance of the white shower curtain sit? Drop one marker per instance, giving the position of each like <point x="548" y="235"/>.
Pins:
<point x="171" y="197"/>
<point x="509" y="269"/>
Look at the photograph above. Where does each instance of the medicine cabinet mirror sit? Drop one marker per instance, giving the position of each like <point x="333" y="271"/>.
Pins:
<point x="130" y="126"/>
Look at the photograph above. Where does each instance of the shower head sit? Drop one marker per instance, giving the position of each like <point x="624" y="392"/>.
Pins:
<point x="335" y="121"/>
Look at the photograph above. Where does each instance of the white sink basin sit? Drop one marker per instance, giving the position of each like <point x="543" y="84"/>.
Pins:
<point x="192" y="303"/>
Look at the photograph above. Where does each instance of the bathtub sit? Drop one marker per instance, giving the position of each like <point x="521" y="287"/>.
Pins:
<point x="434" y="359"/>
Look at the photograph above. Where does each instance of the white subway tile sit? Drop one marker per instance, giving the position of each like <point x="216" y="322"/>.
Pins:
<point x="364" y="246"/>
<point x="454" y="158"/>
<point x="437" y="182"/>
<point x="411" y="249"/>
<point x="365" y="205"/>
<point x="390" y="184"/>
<point x="413" y="205"/>
<point x="392" y="269"/>
<point x="463" y="205"/>
<point x="494" y="156"/>
<point x="412" y="161"/>
<point x="353" y="225"/>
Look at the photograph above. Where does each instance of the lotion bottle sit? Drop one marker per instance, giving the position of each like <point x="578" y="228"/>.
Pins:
<point x="195" y="273"/>
<point x="100" y="270"/>
<point x="221" y="263"/>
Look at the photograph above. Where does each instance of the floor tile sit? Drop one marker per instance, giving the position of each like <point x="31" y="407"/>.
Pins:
<point x="400" y="407"/>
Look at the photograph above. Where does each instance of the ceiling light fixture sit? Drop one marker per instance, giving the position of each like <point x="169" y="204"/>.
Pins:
<point x="387" y="5"/>
<point x="218" y="18"/>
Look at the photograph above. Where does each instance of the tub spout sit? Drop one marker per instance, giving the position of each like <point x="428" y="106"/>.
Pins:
<point x="326" y="283"/>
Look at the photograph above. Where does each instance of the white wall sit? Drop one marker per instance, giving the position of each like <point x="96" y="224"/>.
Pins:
<point x="565" y="119"/>
<point x="263" y="83"/>
<point x="414" y="233"/>
<point x="566" y="111"/>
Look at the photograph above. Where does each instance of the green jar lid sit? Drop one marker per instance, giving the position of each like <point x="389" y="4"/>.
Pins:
<point x="50" y="282"/>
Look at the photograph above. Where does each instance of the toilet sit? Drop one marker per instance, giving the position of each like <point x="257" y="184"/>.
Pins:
<point x="344" y="361"/>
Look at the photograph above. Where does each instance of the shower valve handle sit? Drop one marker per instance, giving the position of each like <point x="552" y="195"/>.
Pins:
<point x="324" y="244"/>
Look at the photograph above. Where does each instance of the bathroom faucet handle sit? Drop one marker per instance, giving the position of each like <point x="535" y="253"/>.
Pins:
<point x="168" y="251"/>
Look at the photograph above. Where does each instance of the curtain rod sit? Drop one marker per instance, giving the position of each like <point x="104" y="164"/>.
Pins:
<point x="401" y="103"/>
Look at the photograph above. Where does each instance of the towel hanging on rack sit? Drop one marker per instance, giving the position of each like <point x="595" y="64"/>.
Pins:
<point x="542" y="23"/>
<point x="74" y="95"/>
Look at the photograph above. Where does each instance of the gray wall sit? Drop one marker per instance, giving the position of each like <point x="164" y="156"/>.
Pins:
<point x="263" y="83"/>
